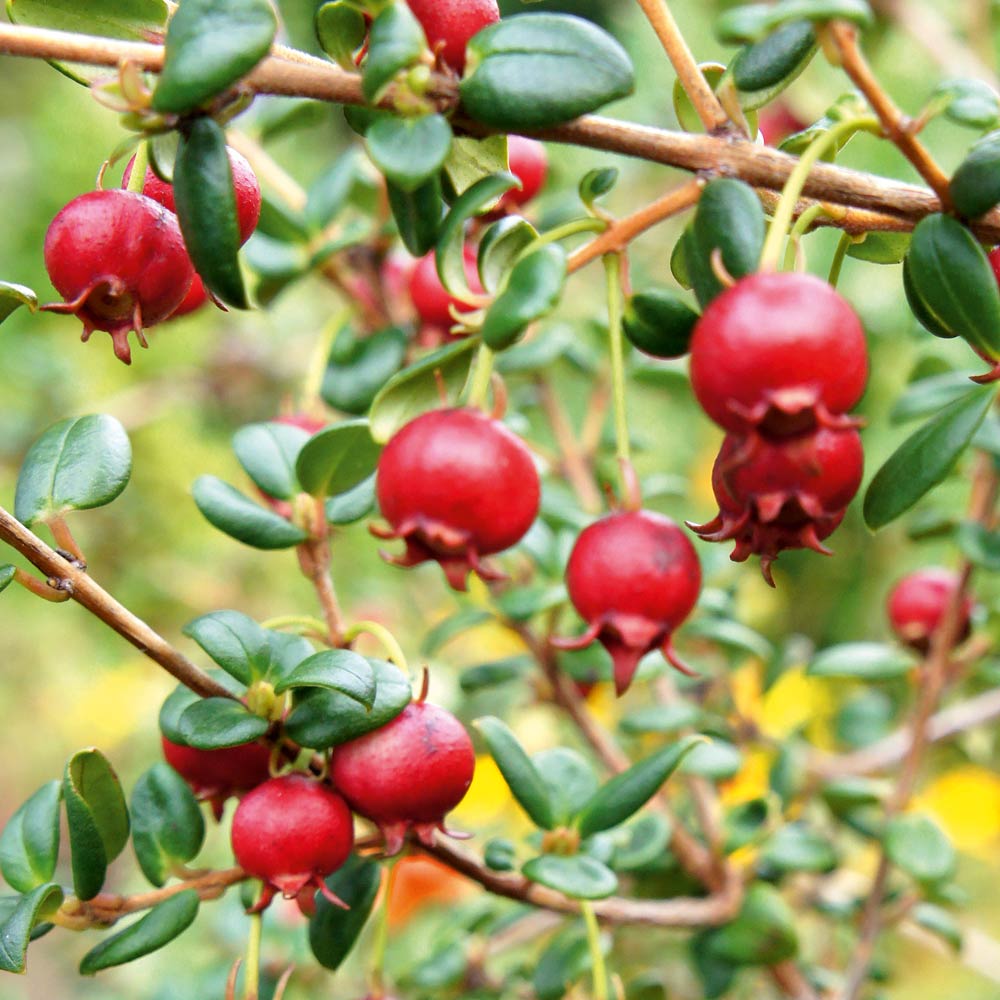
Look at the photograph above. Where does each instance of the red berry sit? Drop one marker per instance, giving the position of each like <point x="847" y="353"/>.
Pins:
<point x="994" y="256"/>
<point x="195" y="299"/>
<point x="633" y="577"/>
<point x="529" y="163"/>
<point x="304" y="421"/>
<point x="777" y="121"/>
<point x="780" y="352"/>
<point x="456" y="486"/>
<point x="291" y="832"/>
<point x="216" y="775"/>
<point x="430" y="298"/>
<point x="918" y="603"/>
<point x="449" y="24"/>
<point x="245" y="185"/>
<point x="118" y="259"/>
<point x="785" y="494"/>
<point x="408" y="774"/>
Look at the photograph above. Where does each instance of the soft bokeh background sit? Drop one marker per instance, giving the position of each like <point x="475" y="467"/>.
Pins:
<point x="70" y="683"/>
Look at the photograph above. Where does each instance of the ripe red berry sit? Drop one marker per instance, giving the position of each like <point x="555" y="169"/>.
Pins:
<point x="291" y="832"/>
<point x="456" y="485"/>
<point x="777" y="121"/>
<point x="449" y="24"/>
<point x="785" y="494"/>
<point x="245" y="186"/>
<point x="918" y="603"/>
<point x="195" y="299"/>
<point x="408" y="774"/>
<point x="779" y="352"/>
<point x="431" y="299"/>
<point x="529" y="163"/>
<point x="216" y="775"/>
<point x="118" y="259"/>
<point x="633" y="577"/>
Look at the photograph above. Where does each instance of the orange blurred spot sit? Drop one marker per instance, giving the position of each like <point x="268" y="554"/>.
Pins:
<point x="421" y="882"/>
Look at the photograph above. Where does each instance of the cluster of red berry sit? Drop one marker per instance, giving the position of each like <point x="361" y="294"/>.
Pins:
<point x="777" y="360"/>
<point x="118" y="257"/>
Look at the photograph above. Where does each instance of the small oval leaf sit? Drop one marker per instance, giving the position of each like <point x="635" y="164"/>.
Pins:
<point x="779" y="58"/>
<point x="921" y="848"/>
<point x="409" y="151"/>
<point x="215" y="723"/>
<point x="336" y="459"/>
<point x="334" y="931"/>
<point x="975" y="185"/>
<point x="267" y="453"/>
<point x="225" y="508"/>
<point x="870" y="661"/>
<point x="29" y="844"/>
<point x="533" y="290"/>
<point x="335" y="670"/>
<point x="395" y="41"/>
<point x="579" y="876"/>
<point x="15" y="931"/>
<point x="659" y="323"/>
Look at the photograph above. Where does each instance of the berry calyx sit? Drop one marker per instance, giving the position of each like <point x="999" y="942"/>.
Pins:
<point x="216" y="775"/>
<point x="633" y="576"/>
<point x="407" y="775"/>
<point x="431" y="299"/>
<point x="449" y="24"/>
<point x="456" y="485"/>
<point x="118" y="259"/>
<point x="784" y="494"/>
<point x="779" y="353"/>
<point x="918" y="604"/>
<point x="291" y="832"/>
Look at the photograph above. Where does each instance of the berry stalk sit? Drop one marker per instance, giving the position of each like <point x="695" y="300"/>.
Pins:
<point x="629" y="489"/>
<point x="596" y="954"/>
<point x="137" y="178"/>
<point x="251" y="983"/>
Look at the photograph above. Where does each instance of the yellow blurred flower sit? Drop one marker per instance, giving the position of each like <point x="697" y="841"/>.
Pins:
<point x="966" y="802"/>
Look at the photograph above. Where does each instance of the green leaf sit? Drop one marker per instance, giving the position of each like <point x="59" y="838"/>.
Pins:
<point x="7" y="574"/>
<point x="77" y="464"/>
<point x="519" y="604"/>
<point x="595" y="184"/>
<point x="214" y="723"/>
<point x="523" y="778"/>
<point x="415" y="389"/>
<point x="536" y="70"/>
<point x="796" y="848"/>
<point x="335" y="670"/>
<point x="921" y="848"/>
<point x="444" y="968"/>
<point x="629" y="791"/>
<point x="454" y="625"/>
<point x="870" y="661"/>
<point x="12" y="297"/>
<point x="470" y="160"/>
<point x="925" y="458"/>
<point x="163" y="923"/>
<point x="661" y="718"/>
<point x="659" y="322"/>
<point x="210" y="45"/>
<point x="579" y="876"/>
<point x="97" y="818"/>
<point x="881" y="248"/>
<point x="570" y="779"/>
<point x="333" y="931"/>
<point x="979" y="545"/>
<point x="353" y="505"/>
<point x="395" y="42"/>
<point x="732" y="635"/>
<point x="168" y="828"/>
<point x="341" y="31"/>
<point x="409" y="151"/>
<point x="500" y="854"/>
<point x="234" y="641"/>
<point x="940" y="922"/>
<point x="267" y="453"/>
<point x="929" y="395"/>
<point x="763" y="933"/>
<point x="533" y="290"/>
<point x="495" y="673"/>
<point x="648" y="841"/>
<point x="501" y="247"/>
<point x="322" y="719"/>
<point x="29" y="844"/>
<point x="685" y="112"/>
<point x="225" y="508"/>
<point x="753" y="22"/>
<point x="950" y="275"/>
<point x="779" y="58"/>
<point x="975" y="187"/>
<point x="206" y="205"/>
<point x="565" y="960"/>
<point x="336" y="459"/>
<point x="15" y="932"/>
<point x="717" y="760"/>
<point x="417" y="214"/>
<point x="331" y="192"/>
<point x="360" y="366"/>
<point x="968" y="102"/>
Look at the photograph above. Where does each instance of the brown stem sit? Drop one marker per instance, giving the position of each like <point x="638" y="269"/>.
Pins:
<point x="792" y="982"/>
<point x="44" y="589"/>
<point x="82" y="589"/>
<point x="314" y="559"/>
<point x="701" y="95"/>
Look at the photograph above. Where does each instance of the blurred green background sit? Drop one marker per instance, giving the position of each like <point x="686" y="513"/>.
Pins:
<point x="70" y="683"/>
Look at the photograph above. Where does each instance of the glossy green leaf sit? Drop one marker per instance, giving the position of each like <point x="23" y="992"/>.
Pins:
<point x="268" y="452"/>
<point x="322" y="719"/>
<point x="848" y="108"/>
<point x="626" y="793"/>
<point x="731" y="635"/>
<point x="409" y="151"/>
<point x="870" y="661"/>
<point x="7" y="574"/>
<point x="29" y="844"/>
<point x="168" y="828"/>
<point x="522" y="777"/>
<point x="536" y="70"/>
<point x="234" y="641"/>
<point x="395" y="42"/>
<point x="939" y="922"/>
<point x="570" y="779"/>
<point x="924" y="316"/>
<point x="753" y="22"/>
<point x="763" y="932"/>
<point x="360" y="366"/>
<point x="470" y="160"/>
<point x="334" y="931"/>
<point x="415" y="390"/>
<point x="778" y="58"/>
<point x="97" y="818"/>
<point x="579" y="876"/>
<point x="501" y="247"/>
<point x="920" y="847"/>
<point x="533" y="290"/>
<point x="335" y="670"/>
<point x="211" y="44"/>
<point x="565" y="960"/>
<point x="206" y="207"/>
<point x="224" y="507"/>
<point x="341" y="31"/>
<point x="417" y="214"/>
<point x="163" y="923"/>
<point x="16" y="930"/>
<point x="77" y="464"/>
<point x="925" y="458"/>
<point x="336" y="459"/>
<point x="796" y="848"/>
<point x="661" y="718"/>
<point x="643" y="843"/>
<point x="595" y="184"/>
<point x="975" y="185"/>
<point x="970" y="102"/>
<point x="881" y="248"/>
<point x="929" y="395"/>
<point x="353" y="505"/>
<point x="659" y="323"/>
<point x="500" y="854"/>
<point x="718" y="760"/>
<point x="12" y="297"/>
<point x="214" y="723"/>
